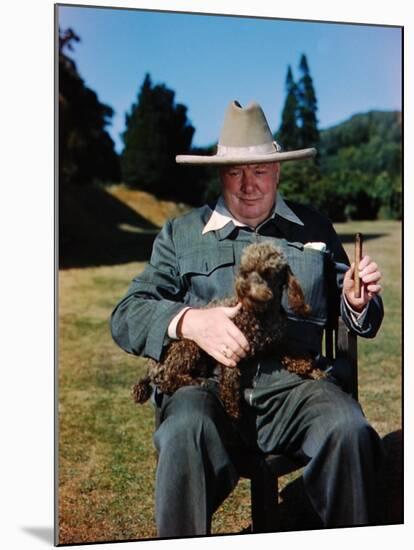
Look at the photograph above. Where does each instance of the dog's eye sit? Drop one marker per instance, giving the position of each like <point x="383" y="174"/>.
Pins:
<point x="266" y="272"/>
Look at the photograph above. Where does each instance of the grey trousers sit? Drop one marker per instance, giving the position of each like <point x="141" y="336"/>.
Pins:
<point x="310" y="418"/>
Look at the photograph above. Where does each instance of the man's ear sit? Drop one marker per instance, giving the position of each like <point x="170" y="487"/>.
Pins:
<point x="277" y="169"/>
<point x="220" y="171"/>
<point x="296" y="298"/>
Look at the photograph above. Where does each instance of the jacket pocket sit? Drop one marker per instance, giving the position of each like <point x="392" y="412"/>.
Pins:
<point x="208" y="273"/>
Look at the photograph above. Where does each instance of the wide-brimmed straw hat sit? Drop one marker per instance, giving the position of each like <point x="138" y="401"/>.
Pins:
<point x="246" y="139"/>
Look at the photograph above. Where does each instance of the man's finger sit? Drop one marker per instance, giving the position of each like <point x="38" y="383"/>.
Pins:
<point x="349" y="277"/>
<point x="232" y="311"/>
<point x="237" y="336"/>
<point x="364" y="262"/>
<point x="371" y="277"/>
<point x="234" y="332"/>
<point x="237" y="351"/>
<point x="374" y="289"/>
<point x="225" y="359"/>
<point x="370" y="268"/>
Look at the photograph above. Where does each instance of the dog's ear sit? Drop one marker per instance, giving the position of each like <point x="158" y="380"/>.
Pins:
<point x="296" y="299"/>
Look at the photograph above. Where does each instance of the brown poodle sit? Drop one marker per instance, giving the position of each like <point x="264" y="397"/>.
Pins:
<point x="263" y="275"/>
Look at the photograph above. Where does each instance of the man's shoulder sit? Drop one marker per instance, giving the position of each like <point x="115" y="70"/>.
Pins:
<point x="308" y="214"/>
<point x="195" y="217"/>
<point x="319" y="228"/>
<point x="187" y="229"/>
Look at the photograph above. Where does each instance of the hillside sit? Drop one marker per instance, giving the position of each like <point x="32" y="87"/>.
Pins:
<point x="361" y="128"/>
<point x="117" y="225"/>
<point x="369" y="142"/>
<point x="147" y="205"/>
<point x="357" y="173"/>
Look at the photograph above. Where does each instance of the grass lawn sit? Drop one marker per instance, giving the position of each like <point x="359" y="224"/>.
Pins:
<point x="105" y="450"/>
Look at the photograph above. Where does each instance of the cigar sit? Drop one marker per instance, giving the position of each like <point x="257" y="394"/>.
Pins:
<point x="358" y="257"/>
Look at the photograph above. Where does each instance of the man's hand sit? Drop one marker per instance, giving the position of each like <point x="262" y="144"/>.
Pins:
<point x="213" y="330"/>
<point x="370" y="287"/>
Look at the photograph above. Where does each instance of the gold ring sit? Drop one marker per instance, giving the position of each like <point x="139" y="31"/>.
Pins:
<point x="226" y="352"/>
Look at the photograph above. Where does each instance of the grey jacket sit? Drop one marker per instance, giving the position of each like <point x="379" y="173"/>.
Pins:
<point x="189" y="268"/>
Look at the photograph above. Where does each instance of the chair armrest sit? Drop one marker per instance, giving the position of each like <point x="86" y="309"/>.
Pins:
<point x="346" y="348"/>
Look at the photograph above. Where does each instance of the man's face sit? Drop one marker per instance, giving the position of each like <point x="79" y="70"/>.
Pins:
<point x="249" y="190"/>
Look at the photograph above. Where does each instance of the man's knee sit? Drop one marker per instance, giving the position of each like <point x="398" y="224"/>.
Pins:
<point x="338" y="421"/>
<point x="350" y="429"/>
<point x="189" y="417"/>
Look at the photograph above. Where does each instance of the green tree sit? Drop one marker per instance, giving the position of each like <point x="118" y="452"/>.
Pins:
<point x="288" y="133"/>
<point x="362" y="158"/>
<point x="307" y="109"/>
<point x="358" y="170"/>
<point x="86" y="151"/>
<point x="157" y="129"/>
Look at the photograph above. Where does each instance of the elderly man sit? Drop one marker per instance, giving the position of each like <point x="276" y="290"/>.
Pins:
<point x="193" y="261"/>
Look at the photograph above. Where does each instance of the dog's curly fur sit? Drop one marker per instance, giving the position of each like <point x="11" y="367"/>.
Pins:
<point x="263" y="275"/>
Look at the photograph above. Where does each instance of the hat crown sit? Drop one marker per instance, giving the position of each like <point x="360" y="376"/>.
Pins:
<point x="245" y="127"/>
<point x="246" y="138"/>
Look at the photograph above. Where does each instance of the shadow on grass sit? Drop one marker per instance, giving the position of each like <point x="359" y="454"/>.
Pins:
<point x="347" y="238"/>
<point x="297" y="514"/>
<point x="95" y="228"/>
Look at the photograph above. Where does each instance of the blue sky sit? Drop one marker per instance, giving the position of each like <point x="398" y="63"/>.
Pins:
<point x="210" y="60"/>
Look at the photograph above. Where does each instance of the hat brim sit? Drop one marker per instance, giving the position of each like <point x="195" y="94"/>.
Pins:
<point x="299" y="154"/>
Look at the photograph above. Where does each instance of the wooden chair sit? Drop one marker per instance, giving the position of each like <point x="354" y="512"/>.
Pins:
<point x="263" y="470"/>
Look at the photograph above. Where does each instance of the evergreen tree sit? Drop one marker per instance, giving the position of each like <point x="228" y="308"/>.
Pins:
<point x="86" y="151"/>
<point x="288" y="133"/>
<point x="308" y="123"/>
<point x="157" y="129"/>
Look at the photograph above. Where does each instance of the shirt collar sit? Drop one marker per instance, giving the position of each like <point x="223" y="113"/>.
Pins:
<point x="221" y="215"/>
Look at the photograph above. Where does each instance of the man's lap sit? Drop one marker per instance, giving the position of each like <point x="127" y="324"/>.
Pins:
<point x="283" y="413"/>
